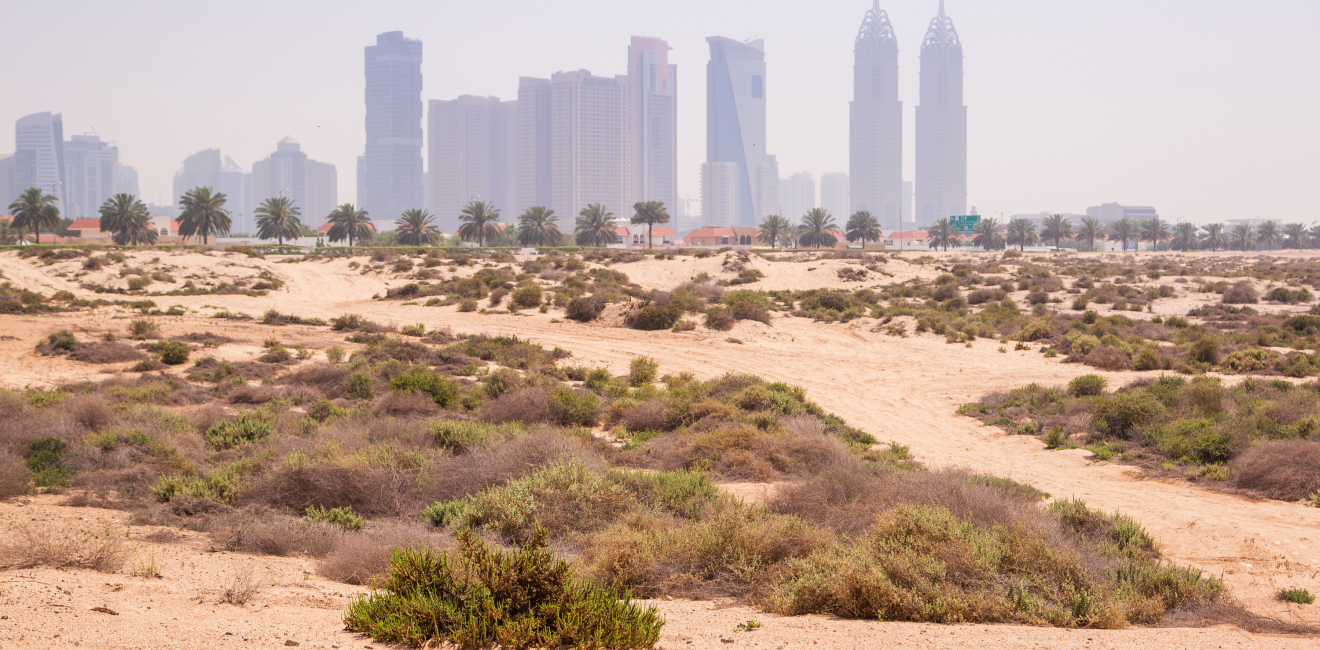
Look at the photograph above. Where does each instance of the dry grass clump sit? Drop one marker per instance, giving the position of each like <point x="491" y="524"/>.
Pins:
<point x="106" y="352"/>
<point x="356" y="559"/>
<point x="257" y="529"/>
<point x="1288" y="470"/>
<point x="14" y="475"/>
<point x="242" y="586"/>
<point x="369" y="490"/>
<point x="44" y="545"/>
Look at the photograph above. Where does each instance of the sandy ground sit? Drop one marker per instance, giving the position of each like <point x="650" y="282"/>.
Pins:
<point x="901" y="389"/>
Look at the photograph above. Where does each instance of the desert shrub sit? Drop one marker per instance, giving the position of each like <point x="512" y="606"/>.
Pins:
<point x="1107" y="357"/>
<point x="358" y="385"/>
<point x="231" y="433"/>
<point x="1305" y="324"/>
<point x="642" y="370"/>
<point x="1205" y="350"/>
<point x="1119" y="414"/>
<point x="441" y="389"/>
<point x="1287" y="470"/>
<point x="1298" y="364"/>
<point x="720" y="319"/>
<point x="467" y="305"/>
<point x="138" y="282"/>
<point x="141" y="329"/>
<point x="1240" y="294"/>
<point x="61" y="342"/>
<point x="585" y="309"/>
<point x="1295" y="595"/>
<point x="1087" y="385"/>
<point x="655" y="317"/>
<point x="105" y="352"/>
<point x="343" y="517"/>
<point x="174" y="353"/>
<point x="1251" y="360"/>
<point x="357" y="559"/>
<point x="413" y="330"/>
<point x="14" y="475"/>
<point x="1148" y="359"/>
<point x="348" y="323"/>
<point x="1034" y="331"/>
<point x="1078" y="343"/>
<point x="479" y="596"/>
<point x="528" y="296"/>
<point x="43" y="545"/>
<point x="46" y="462"/>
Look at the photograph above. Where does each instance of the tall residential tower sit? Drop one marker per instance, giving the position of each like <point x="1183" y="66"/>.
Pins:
<point x="653" y="121"/>
<point x="39" y="140"/>
<point x="393" y="160"/>
<point x="941" y="182"/>
<point x="735" y="126"/>
<point x="876" y="121"/>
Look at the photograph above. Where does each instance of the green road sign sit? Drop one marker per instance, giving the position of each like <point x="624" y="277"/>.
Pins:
<point x="965" y="223"/>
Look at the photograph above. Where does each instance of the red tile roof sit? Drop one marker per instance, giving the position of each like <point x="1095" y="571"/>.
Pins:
<point x="86" y="224"/>
<point x="621" y="231"/>
<point x="713" y="232"/>
<point x="916" y="234"/>
<point x="663" y="232"/>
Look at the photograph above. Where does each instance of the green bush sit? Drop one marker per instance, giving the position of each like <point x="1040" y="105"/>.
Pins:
<point x="1149" y="359"/>
<point x="441" y="388"/>
<point x="343" y="517"/>
<point x="1087" y="385"/>
<point x="221" y="485"/>
<point x="479" y="596"/>
<point x="461" y="436"/>
<point x="1119" y="414"/>
<point x="656" y="317"/>
<point x="1294" y="595"/>
<point x="413" y="330"/>
<point x="61" y="342"/>
<point x="173" y="353"/>
<point x="467" y="305"/>
<point x="44" y="457"/>
<point x="358" y="385"/>
<point x="528" y="296"/>
<point x="585" y="309"/>
<point x="138" y="282"/>
<point x="1205" y="350"/>
<point x="576" y="408"/>
<point x="642" y="370"/>
<point x="232" y="433"/>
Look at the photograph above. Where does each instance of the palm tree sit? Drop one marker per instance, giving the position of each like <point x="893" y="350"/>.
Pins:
<point x="537" y="227"/>
<point x="989" y="234"/>
<point x="126" y="217"/>
<point x="817" y="229"/>
<point x="1184" y="237"/>
<point x="32" y="210"/>
<point x="649" y="213"/>
<point x="1057" y="228"/>
<point x="349" y="222"/>
<point x="1294" y="236"/>
<point x="277" y="218"/>
<point x="203" y="214"/>
<point x="416" y="228"/>
<point x="1090" y="230"/>
<point x="1124" y="230"/>
<point x="864" y="226"/>
<point x="941" y="235"/>
<point x="774" y="230"/>
<point x="1021" y="233"/>
<point x="1155" y="231"/>
<point x="479" y="219"/>
<point x="1214" y="237"/>
<point x="1268" y="234"/>
<point x="1313" y="238"/>
<point x="1243" y="238"/>
<point x="595" y="226"/>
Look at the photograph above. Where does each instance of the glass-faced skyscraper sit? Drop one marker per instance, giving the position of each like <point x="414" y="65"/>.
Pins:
<point x="40" y="138"/>
<point x="941" y="183"/>
<point x="876" y="121"/>
<point x="393" y="160"/>
<point x="735" y="124"/>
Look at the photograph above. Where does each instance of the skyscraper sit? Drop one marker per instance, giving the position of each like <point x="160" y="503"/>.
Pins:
<point x="653" y="121"/>
<point x="834" y="195"/>
<point x="797" y="195"/>
<point x="531" y="186"/>
<point x="93" y="174"/>
<point x="941" y="182"/>
<point x="719" y="193"/>
<point x="469" y="155"/>
<point x="589" y="160"/>
<point x="288" y="172"/>
<point x="876" y="120"/>
<point x="393" y="163"/>
<point x="209" y="168"/>
<point x="41" y="136"/>
<point x="735" y="124"/>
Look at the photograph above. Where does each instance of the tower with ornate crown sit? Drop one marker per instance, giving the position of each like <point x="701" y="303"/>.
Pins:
<point x="941" y="181"/>
<point x="876" y="121"/>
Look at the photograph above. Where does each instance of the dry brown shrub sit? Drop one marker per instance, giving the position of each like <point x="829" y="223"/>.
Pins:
<point x="256" y="529"/>
<point x="242" y="586"/>
<point x="106" y="352"/>
<point x="746" y="453"/>
<point x="403" y="404"/>
<point x="1107" y="358"/>
<point x="368" y="490"/>
<point x="90" y="411"/>
<point x="322" y="376"/>
<point x="528" y="405"/>
<point x="1286" y="470"/>
<point x="647" y="416"/>
<point x="360" y="556"/>
<point x="457" y="476"/>
<point x="14" y="475"/>
<point x="45" y="546"/>
<point x="251" y="394"/>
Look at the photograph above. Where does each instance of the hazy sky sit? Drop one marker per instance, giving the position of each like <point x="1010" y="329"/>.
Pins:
<point x="1208" y="110"/>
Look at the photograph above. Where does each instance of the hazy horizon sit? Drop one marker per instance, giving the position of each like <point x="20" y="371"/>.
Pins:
<point x="1205" y="110"/>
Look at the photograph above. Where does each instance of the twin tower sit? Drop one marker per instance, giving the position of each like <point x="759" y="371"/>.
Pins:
<point x="876" y="130"/>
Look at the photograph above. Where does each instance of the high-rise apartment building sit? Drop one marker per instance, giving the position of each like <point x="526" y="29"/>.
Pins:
<point x="531" y="186"/>
<point x="288" y="172"/>
<point x="126" y="181"/>
<point x="834" y="194"/>
<point x="876" y="120"/>
<point x="797" y="195"/>
<point x="12" y="176"/>
<point x="40" y="139"/>
<point x="589" y="160"/>
<point x="941" y="125"/>
<point x="469" y="154"/>
<point x="393" y="165"/>
<point x="719" y="193"/>
<point x="736" y="126"/>
<point x="93" y="174"/>
<point x="653" y="122"/>
<point x="209" y="168"/>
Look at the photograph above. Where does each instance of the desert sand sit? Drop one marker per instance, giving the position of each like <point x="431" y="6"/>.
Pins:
<point x="902" y="389"/>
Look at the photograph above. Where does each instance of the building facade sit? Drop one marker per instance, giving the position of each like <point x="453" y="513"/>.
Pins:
<point x="1111" y="212"/>
<point x="209" y="168"/>
<point x="875" y="126"/>
<point x="797" y="195"/>
<point x="93" y="174"/>
<point x="313" y="186"/>
<point x="834" y="194"/>
<point x="531" y="137"/>
<point x="470" y="156"/>
<point x="39" y="139"/>
<point x="589" y="160"/>
<point x="393" y="158"/>
<point x="653" y="122"/>
<point x="941" y="181"/>
<point x="720" y="193"/>
<point x="736" y="124"/>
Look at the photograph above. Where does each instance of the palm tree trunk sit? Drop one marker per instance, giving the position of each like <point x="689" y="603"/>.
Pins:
<point x="648" y="236"/>
<point x="37" y="229"/>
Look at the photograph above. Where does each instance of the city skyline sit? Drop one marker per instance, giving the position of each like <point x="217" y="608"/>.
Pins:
<point x="1059" y="146"/>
